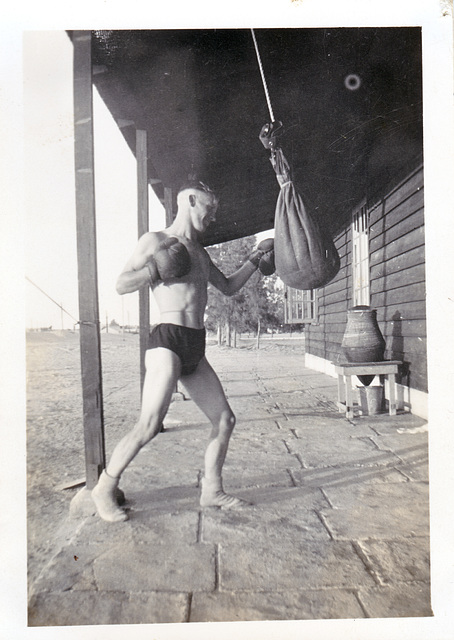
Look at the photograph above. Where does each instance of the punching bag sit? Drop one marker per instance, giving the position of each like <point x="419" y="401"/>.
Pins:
<point x="305" y="256"/>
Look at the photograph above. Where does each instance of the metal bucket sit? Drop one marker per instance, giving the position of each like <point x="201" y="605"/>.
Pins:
<point x="371" y="400"/>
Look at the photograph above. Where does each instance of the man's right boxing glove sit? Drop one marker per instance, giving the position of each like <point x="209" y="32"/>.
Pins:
<point x="263" y="257"/>
<point x="170" y="260"/>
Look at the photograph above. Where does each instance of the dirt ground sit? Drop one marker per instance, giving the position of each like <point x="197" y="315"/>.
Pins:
<point x="55" y="449"/>
<point x="55" y="441"/>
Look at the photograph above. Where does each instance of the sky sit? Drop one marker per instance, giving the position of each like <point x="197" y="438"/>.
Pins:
<point x="50" y="229"/>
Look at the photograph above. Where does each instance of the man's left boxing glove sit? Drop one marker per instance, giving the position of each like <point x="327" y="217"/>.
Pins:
<point x="263" y="257"/>
<point x="170" y="260"/>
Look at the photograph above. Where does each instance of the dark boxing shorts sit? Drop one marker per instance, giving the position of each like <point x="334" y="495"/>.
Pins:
<point x="187" y="343"/>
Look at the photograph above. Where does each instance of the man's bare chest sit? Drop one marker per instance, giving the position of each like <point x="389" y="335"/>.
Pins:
<point x="200" y="262"/>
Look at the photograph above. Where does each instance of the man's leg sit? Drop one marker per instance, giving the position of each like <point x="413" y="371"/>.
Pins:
<point x="162" y="371"/>
<point x="206" y="390"/>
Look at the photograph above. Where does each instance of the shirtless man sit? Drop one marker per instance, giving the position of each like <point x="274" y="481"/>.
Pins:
<point x="178" y="269"/>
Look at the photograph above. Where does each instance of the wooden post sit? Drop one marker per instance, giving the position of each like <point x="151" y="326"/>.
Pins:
<point x="168" y="205"/>
<point x="90" y="341"/>
<point x="143" y="227"/>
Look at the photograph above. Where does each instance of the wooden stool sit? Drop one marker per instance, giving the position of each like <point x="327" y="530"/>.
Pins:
<point x="345" y="371"/>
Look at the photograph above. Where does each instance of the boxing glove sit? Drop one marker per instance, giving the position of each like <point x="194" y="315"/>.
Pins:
<point x="263" y="257"/>
<point x="170" y="260"/>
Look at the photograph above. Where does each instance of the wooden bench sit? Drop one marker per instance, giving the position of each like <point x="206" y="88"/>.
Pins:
<point x="345" y="371"/>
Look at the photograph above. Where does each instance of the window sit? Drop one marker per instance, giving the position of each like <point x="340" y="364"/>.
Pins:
<point x="300" y="306"/>
<point x="360" y="258"/>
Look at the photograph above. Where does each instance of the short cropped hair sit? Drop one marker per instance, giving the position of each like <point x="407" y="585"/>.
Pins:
<point x="197" y="185"/>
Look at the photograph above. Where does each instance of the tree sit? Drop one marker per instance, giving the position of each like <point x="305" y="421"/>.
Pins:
<point x="255" y="307"/>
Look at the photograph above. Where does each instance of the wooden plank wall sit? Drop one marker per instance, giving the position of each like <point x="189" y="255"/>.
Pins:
<point x="397" y="281"/>
<point x="397" y="273"/>
<point x="323" y="339"/>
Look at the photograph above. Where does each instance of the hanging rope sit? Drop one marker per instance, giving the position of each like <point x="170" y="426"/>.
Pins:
<point x="306" y="257"/>
<point x="263" y="77"/>
<point x="48" y="296"/>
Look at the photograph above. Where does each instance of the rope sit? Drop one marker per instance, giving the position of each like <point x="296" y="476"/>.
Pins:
<point x="48" y="296"/>
<point x="263" y="76"/>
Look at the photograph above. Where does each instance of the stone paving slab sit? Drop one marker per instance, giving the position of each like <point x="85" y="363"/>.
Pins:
<point x="287" y="566"/>
<point x="399" y="560"/>
<point x="157" y="568"/>
<point x="389" y="602"/>
<point x="251" y="451"/>
<point x="249" y="457"/>
<point x="250" y="478"/>
<point x="73" y="565"/>
<point x="345" y="476"/>
<point x="416" y="471"/>
<point x="114" y="607"/>
<point x="240" y="388"/>
<point x="315" y="410"/>
<point x="352" y="451"/>
<point x="298" y="401"/>
<point x="408" y="448"/>
<point x="284" y="498"/>
<point x="288" y="605"/>
<point x="246" y="409"/>
<point x="296" y="519"/>
<point x="147" y="471"/>
<point x="95" y="531"/>
<point x="259" y="463"/>
<point x="260" y="433"/>
<point x="144" y="528"/>
<point x="362" y="511"/>
<point x="412" y="449"/>
<point x="384" y="424"/>
<point x="285" y="385"/>
<point x="231" y="375"/>
<point x="270" y="428"/>
<point x="179" y="457"/>
<point x="163" y="499"/>
<point x="310" y="379"/>
<point x="319" y="423"/>
<point x="327" y="391"/>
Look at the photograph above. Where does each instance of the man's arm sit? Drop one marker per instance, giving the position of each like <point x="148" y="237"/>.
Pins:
<point x="228" y="285"/>
<point x="136" y="273"/>
<point x="153" y="261"/>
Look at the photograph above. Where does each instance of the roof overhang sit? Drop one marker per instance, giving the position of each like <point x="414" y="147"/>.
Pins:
<point x="350" y="100"/>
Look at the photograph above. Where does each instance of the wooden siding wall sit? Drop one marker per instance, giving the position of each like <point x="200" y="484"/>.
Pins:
<point x="397" y="284"/>
<point x="323" y="339"/>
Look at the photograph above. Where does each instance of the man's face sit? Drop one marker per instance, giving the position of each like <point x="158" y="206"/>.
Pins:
<point x="204" y="210"/>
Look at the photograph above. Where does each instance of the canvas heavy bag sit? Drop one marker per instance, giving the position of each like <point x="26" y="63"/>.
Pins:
<point x="306" y="258"/>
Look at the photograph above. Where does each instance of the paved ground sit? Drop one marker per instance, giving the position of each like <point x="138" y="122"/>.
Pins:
<point x="339" y="526"/>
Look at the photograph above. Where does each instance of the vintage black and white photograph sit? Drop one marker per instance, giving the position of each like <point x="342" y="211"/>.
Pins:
<point x="227" y="332"/>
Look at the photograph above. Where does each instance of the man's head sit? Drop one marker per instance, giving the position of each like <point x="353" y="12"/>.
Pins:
<point x="200" y="202"/>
